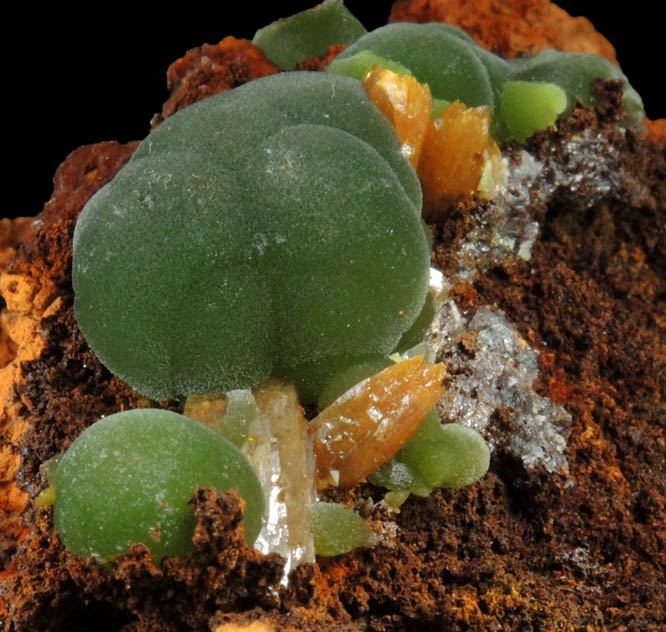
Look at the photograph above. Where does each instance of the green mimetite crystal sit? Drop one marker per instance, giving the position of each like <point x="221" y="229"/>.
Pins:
<point x="308" y="33"/>
<point x="448" y="455"/>
<point x="338" y="530"/>
<point x="437" y="54"/>
<point x="359" y="65"/>
<point x="269" y="230"/>
<point x="574" y="73"/>
<point x="526" y="106"/>
<point x="129" y="478"/>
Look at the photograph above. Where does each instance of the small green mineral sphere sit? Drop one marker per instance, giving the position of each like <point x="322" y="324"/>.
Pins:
<point x="448" y="455"/>
<point x="527" y="106"/>
<point x="438" y="455"/>
<point x="440" y="55"/>
<point x="129" y="479"/>
<point x="338" y="530"/>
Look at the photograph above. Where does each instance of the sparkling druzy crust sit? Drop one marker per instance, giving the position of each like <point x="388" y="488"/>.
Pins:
<point x="273" y="227"/>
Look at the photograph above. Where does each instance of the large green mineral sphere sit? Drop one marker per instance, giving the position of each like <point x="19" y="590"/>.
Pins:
<point x="129" y="479"/>
<point x="267" y="231"/>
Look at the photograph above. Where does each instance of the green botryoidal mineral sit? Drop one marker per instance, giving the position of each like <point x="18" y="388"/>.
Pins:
<point x="129" y="478"/>
<point x="440" y="55"/>
<point x="448" y="455"/>
<point x="268" y="231"/>
<point x="338" y="530"/>
<point x="308" y="33"/>
<point x="526" y="106"/>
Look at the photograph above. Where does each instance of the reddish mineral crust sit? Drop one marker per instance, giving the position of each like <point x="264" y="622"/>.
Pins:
<point x="210" y="69"/>
<point x="521" y="549"/>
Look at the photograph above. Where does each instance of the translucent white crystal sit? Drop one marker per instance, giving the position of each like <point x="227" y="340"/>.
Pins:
<point x="280" y="450"/>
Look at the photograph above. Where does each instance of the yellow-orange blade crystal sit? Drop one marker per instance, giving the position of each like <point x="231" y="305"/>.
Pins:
<point x="454" y="152"/>
<point x="406" y="103"/>
<point x="369" y="423"/>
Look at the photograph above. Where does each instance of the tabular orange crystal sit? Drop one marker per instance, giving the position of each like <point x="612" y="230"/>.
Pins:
<point x="406" y="103"/>
<point x="449" y="152"/>
<point x="369" y="423"/>
<point x="456" y="147"/>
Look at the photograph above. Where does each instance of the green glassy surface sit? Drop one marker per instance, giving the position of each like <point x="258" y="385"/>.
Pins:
<point x="527" y="106"/>
<point x="308" y="33"/>
<point x="129" y="478"/>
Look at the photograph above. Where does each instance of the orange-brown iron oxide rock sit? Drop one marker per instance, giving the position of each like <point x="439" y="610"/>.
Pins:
<point x="210" y="69"/>
<point x="31" y="289"/>
<point x="657" y="129"/>
<point x="255" y="626"/>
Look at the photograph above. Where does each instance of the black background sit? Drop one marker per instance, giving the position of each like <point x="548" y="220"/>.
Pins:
<point x="74" y="77"/>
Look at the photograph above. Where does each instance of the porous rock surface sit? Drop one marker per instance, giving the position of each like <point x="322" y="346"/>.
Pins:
<point x="582" y="548"/>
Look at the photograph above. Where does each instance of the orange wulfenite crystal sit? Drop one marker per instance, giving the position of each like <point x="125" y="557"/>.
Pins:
<point x="450" y="152"/>
<point x="369" y="423"/>
<point x="454" y="153"/>
<point x="406" y="103"/>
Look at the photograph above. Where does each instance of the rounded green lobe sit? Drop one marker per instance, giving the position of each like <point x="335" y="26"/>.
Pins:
<point x="454" y="456"/>
<point x="438" y="455"/>
<point x="437" y="54"/>
<point x="259" y="232"/>
<point x="308" y="33"/>
<point x="129" y="478"/>
<point x="527" y="106"/>
<point x="338" y="530"/>
<point x="574" y="73"/>
<point x="361" y="64"/>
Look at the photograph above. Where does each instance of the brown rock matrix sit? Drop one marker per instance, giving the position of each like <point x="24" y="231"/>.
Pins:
<point x="523" y="549"/>
<point x="210" y="69"/>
